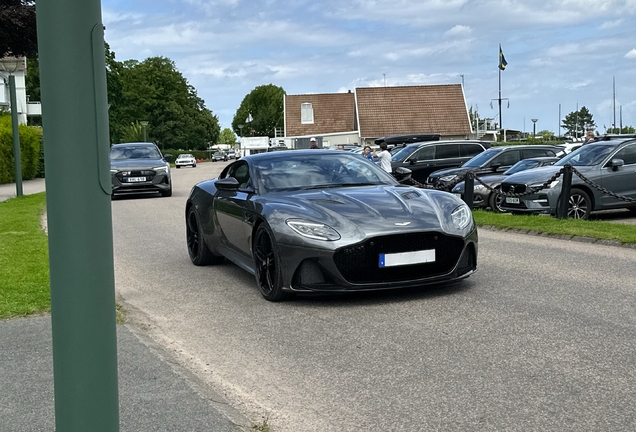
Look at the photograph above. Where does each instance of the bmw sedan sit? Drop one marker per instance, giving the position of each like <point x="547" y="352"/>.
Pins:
<point x="320" y="220"/>
<point x="608" y="164"/>
<point x="139" y="168"/>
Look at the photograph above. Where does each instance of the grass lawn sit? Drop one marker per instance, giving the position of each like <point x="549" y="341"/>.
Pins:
<point x="551" y="225"/>
<point x="24" y="257"/>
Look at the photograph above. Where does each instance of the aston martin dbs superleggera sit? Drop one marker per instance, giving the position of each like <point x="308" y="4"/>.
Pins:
<point x="321" y="220"/>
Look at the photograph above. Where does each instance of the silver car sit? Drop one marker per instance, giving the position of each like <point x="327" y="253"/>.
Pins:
<point x="608" y="163"/>
<point x="139" y="168"/>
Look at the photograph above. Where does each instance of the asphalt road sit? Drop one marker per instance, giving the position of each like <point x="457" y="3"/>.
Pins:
<point x="542" y="338"/>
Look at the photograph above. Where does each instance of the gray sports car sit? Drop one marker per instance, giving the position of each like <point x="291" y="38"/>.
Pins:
<point x="319" y="220"/>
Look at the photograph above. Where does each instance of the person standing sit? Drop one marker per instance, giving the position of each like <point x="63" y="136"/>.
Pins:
<point x="366" y="152"/>
<point x="384" y="157"/>
<point x="589" y="137"/>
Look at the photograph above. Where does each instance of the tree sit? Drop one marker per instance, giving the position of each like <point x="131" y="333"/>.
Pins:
<point x="577" y="122"/>
<point x="18" y="32"/>
<point x="546" y="134"/>
<point x="153" y="90"/>
<point x="623" y="130"/>
<point x="264" y="106"/>
<point x="227" y="137"/>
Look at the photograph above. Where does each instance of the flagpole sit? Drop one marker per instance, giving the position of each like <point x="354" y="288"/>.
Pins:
<point x="500" y="119"/>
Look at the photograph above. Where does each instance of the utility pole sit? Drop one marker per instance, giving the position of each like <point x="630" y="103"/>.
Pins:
<point x="75" y="124"/>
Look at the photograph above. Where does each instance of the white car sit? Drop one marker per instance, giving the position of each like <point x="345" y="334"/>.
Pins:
<point x="185" y="160"/>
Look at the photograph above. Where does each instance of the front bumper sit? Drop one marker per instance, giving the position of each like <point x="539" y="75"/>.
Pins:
<point x="355" y="267"/>
<point x="128" y="182"/>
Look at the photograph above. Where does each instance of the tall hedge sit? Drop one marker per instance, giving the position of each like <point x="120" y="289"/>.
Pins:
<point x="30" y="144"/>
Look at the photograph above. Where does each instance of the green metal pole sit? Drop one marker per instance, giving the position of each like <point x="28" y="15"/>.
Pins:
<point x="78" y="187"/>
<point x="16" y="136"/>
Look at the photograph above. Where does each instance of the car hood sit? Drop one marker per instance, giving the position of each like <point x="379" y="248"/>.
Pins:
<point x="136" y="164"/>
<point x="533" y="175"/>
<point x="451" y="171"/>
<point x="370" y="210"/>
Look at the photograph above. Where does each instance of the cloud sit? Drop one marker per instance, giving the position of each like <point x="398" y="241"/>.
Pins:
<point x="459" y="31"/>
<point x="608" y="25"/>
<point x="631" y="54"/>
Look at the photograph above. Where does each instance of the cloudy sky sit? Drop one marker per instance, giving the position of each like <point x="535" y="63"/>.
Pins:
<point x="563" y="52"/>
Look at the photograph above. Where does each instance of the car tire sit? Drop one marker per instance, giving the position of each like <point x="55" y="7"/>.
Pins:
<point x="194" y="165"/>
<point x="269" y="277"/>
<point x="200" y="254"/>
<point x="495" y="201"/>
<point x="177" y="166"/>
<point x="579" y="205"/>
<point x="167" y="193"/>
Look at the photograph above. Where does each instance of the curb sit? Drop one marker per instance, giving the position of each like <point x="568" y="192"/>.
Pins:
<point x="569" y="237"/>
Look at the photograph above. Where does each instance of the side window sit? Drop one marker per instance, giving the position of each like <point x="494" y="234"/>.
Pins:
<point x="241" y="172"/>
<point x="446" y="151"/>
<point x="628" y="154"/>
<point x="425" y="153"/>
<point x="507" y="158"/>
<point x="532" y="153"/>
<point x="470" y="150"/>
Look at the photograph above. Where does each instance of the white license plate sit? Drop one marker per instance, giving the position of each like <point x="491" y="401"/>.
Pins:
<point x="511" y="200"/>
<point x="407" y="258"/>
<point x="135" y="179"/>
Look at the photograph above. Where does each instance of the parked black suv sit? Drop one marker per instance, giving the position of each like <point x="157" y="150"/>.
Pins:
<point x="492" y="161"/>
<point x="423" y="158"/>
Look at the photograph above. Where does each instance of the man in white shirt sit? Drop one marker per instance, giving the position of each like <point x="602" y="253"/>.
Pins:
<point x="384" y="158"/>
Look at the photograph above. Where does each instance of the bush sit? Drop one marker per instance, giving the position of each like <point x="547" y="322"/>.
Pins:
<point x="30" y="150"/>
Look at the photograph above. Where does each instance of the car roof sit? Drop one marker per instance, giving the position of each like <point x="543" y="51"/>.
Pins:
<point x="139" y="144"/>
<point x="485" y="144"/>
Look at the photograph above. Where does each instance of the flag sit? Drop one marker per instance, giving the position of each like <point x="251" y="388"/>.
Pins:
<point x="502" y="59"/>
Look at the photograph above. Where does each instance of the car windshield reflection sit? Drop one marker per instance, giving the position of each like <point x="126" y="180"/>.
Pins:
<point x="588" y="155"/>
<point x="124" y="153"/>
<point x="340" y="169"/>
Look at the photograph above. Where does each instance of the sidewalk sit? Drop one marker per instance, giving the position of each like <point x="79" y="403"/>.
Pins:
<point x="155" y="394"/>
<point x="29" y="187"/>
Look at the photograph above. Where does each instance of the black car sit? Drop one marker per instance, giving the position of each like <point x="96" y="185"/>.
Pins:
<point x="495" y="160"/>
<point x="330" y="221"/>
<point x="139" y="168"/>
<point x="425" y="157"/>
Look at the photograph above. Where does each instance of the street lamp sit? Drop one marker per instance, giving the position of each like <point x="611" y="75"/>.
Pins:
<point x="534" y="127"/>
<point x="241" y="140"/>
<point x="144" y="123"/>
<point x="11" y="65"/>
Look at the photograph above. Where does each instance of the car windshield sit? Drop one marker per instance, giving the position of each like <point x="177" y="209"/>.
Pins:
<point x="303" y="171"/>
<point x="522" y="166"/>
<point x="185" y="156"/>
<point x="401" y="153"/>
<point x="218" y="154"/>
<point x="588" y="155"/>
<point x="482" y="158"/>
<point x="134" y="152"/>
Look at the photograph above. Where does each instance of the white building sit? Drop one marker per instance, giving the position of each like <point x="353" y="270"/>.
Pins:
<point x="16" y="67"/>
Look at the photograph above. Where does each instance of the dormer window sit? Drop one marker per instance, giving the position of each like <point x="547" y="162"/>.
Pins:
<point x="306" y="113"/>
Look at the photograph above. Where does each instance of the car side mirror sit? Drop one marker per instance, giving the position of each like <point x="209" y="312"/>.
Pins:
<point x="402" y="174"/>
<point x="495" y="167"/>
<point x="227" y="184"/>
<point x="167" y="157"/>
<point x="616" y="163"/>
<point x="411" y="161"/>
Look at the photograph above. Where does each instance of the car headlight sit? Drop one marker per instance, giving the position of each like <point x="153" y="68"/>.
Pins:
<point x="538" y="185"/>
<point x="313" y="230"/>
<point x="448" y="178"/>
<point x="161" y="169"/>
<point x="479" y="187"/>
<point x="114" y="171"/>
<point x="461" y="216"/>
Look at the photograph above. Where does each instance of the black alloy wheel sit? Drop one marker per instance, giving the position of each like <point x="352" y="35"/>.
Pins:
<point x="580" y="204"/>
<point x="199" y="252"/>
<point x="267" y="264"/>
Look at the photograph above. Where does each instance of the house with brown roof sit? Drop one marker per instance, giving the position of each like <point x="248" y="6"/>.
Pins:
<point x="373" y="112"/>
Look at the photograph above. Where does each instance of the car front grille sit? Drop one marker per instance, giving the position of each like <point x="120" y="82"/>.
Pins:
<point x="123" y="175"/>
<point x="513" y="188"/>
<point x="359" y="263"/>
